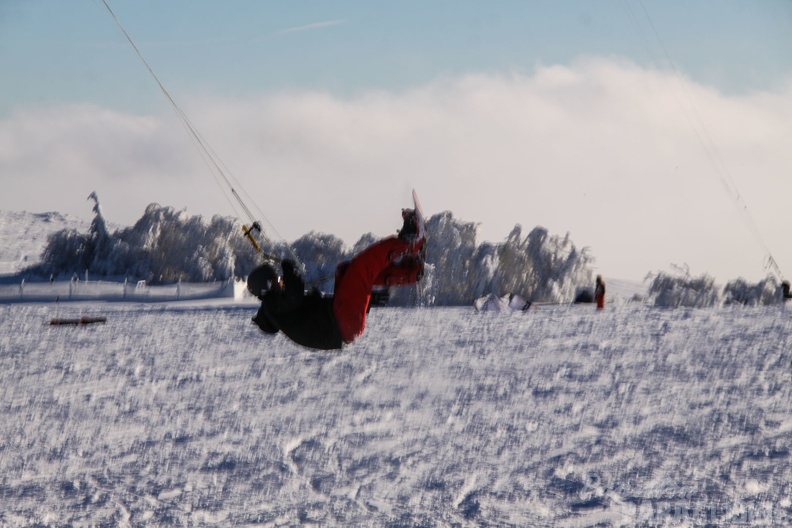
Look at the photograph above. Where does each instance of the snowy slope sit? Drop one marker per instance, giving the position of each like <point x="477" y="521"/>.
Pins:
<point x="624" y="290"/>
<point x="187" y="415"/>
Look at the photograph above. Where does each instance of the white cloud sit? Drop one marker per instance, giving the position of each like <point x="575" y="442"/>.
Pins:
<point x="627" y="160"/>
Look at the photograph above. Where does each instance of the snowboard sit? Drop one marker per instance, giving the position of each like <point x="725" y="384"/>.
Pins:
<point x="420" y="238"/>
<point x="419" y="215"/>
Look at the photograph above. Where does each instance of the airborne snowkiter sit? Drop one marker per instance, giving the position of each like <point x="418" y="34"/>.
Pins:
<point x="328" y="322"/>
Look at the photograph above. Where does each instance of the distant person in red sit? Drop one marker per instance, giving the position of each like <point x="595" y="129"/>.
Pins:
<point x="599" y="293"/>
<point x="328" y="322"/>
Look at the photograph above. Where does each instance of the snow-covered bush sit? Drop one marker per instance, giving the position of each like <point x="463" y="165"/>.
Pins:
<point x="682" y="290"/>
<point x="763" y="293"/>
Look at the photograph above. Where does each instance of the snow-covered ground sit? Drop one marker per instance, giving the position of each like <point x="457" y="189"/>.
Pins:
<point x="185" y="414"/>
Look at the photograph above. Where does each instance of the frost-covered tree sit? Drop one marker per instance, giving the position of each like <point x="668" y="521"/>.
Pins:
<point x="199" y="267"/>
<point x="320" y="253"/>
<point x="164" y="245"/>
<point x="486" y="262"/>
<point x="99" y="244"/>
<point x="64" y="253"/>
<point x="541" y="267"/>
<point x="450" y="252"/>
<point x="364" y="242"/>
<point x="68" y="251"/>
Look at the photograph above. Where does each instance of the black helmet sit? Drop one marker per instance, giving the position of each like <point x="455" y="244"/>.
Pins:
<point x="261" y="280"/>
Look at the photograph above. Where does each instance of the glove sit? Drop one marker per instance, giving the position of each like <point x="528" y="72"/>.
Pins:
<point x="291" y="277"/>
<point x="288" y="266"/>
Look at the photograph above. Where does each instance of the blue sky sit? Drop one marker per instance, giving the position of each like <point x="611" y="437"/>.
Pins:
<point x="60" y="51"/>
<point x="645" y="129"/>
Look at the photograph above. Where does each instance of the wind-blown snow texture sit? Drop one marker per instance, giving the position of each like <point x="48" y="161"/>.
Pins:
<point x="562" y="416"/>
